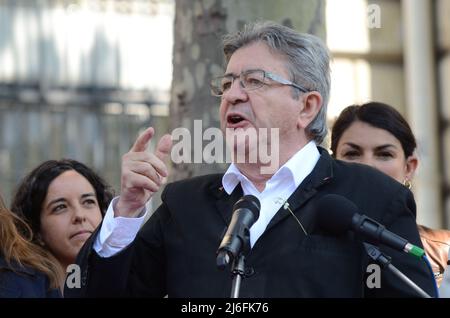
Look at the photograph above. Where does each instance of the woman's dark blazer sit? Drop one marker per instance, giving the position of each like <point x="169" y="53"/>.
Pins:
<point x="23" y="282"/>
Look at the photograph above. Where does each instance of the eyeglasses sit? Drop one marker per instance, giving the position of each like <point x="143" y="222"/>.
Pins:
<point x="249" y="80"/>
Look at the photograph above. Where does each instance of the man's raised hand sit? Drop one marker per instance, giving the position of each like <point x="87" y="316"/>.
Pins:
<point x="143" y="173"/>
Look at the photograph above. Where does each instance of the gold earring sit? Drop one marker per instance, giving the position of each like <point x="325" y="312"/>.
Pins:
<point x="407" y="183"/>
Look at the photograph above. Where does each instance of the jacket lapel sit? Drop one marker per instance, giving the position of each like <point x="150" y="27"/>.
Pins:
<point x="225" y="202"/>
<point x="321" y="174"/>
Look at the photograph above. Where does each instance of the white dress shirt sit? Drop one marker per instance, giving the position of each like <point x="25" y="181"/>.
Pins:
<point x="278" y="188"/>
<point x="118" y="232"/>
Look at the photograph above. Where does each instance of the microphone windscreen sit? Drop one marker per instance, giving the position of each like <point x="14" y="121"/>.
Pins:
<point x="335" y="213"/>
<point x="249" y="202"/>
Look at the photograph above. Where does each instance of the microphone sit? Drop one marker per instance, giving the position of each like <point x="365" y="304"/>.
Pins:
<point x="338" y="215"/>
<point x="237" y="236"/>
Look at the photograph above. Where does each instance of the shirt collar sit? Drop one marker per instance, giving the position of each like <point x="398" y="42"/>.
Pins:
<point x="297" y="168"/>
<point x="231" y="178"/>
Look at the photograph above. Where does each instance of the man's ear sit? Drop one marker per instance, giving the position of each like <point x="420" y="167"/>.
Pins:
<point x="311" y="105"/>
<point x="411" y="165"/>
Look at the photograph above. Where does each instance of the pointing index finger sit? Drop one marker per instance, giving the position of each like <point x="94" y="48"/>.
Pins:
<point x="142" y="141"/>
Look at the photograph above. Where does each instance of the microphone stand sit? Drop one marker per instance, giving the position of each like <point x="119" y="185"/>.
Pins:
<point x="237" y="265"/>
<point x="385" y="261"/>
<point x="238" y="272"/>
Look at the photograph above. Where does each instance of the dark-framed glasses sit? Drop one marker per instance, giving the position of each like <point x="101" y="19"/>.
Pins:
<point x="249" y="80"/>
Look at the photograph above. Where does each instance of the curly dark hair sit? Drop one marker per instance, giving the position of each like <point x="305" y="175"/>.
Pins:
<point x="30" y="194"/>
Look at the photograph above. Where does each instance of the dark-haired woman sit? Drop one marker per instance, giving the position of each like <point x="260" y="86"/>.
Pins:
<point x="63" y="201"/>
<point x="376" y="134"/>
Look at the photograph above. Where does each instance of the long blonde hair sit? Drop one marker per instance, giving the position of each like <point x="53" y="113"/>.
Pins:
<point x="16" y="246"/>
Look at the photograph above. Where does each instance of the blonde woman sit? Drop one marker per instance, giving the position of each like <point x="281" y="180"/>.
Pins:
<point x="26" y="270"/>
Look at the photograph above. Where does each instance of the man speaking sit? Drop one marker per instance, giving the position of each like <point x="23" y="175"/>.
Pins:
<point x="275" y="79"/>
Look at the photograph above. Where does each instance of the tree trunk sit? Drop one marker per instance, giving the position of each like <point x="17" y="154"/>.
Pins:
<point x="197" y="57"/>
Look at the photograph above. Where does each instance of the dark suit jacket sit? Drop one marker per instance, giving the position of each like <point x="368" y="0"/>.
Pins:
<point x="175" y="251"/>
<point x="23" y="282"/>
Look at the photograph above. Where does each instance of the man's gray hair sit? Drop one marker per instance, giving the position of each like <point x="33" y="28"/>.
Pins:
<point x="308" y="62"/>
